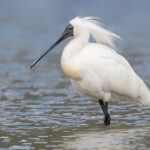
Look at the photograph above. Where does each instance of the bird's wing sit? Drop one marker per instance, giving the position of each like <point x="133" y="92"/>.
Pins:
<point x="119" y="60"/>
<point x="99" y="51"/>
<point x="109" y="69"/>
<point x="105" y="69"/>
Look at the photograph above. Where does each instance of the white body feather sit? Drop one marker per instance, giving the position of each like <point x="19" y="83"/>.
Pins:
<point x="97" y="70"/>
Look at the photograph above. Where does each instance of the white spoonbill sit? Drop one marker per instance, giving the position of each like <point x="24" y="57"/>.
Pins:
<point x="96" y="69"/>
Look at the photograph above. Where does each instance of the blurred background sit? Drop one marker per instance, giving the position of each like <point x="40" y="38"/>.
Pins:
<point x="39" y="109"/>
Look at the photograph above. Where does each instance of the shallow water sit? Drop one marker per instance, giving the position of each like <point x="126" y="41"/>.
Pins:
<point x="39" y="109"/>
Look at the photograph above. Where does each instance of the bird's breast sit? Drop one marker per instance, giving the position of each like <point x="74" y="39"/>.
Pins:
<point x="70" y="70"/>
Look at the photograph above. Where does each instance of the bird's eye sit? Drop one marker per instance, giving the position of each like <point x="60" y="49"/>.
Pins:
<point x="70" y="26"/>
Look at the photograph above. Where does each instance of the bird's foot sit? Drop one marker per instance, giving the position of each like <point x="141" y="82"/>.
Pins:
<point x="107" y="120"/>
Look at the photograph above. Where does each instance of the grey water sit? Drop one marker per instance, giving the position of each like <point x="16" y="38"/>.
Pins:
<point x="39" y="109"/>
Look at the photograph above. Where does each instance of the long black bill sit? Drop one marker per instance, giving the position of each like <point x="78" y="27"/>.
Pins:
<point x="67" y="33"/>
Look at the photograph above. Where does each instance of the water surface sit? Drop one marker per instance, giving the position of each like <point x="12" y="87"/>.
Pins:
<point x="39" y="109"/>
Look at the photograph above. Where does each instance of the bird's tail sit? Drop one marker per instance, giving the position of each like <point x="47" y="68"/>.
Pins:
<point x="144" y="94"/>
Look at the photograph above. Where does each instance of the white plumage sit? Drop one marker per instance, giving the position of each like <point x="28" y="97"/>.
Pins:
<point x="96" y="69"/>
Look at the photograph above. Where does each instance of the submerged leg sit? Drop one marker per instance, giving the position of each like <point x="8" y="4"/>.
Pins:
<point x="104" y="107"/>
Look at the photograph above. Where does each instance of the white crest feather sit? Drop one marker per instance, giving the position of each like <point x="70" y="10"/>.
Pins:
<point x="100" y="34"/>
<point x="96" y="30"/>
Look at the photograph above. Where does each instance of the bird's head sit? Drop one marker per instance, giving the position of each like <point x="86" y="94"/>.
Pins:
<point x="67" y="33"/>
<point x="84" y="26"/>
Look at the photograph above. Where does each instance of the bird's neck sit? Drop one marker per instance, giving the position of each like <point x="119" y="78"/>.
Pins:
<point x="75" y="46"/>
<point x="68" y="59"/>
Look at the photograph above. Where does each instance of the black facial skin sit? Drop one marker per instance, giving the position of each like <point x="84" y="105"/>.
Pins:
<point x="67" y="33"/>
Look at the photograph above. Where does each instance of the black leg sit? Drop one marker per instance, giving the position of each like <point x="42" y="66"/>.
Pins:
<point x="107" y="116"/>
<point x="104" y="107"/>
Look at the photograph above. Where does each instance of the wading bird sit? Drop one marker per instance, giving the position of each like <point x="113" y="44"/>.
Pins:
<point x="96" y="69"/>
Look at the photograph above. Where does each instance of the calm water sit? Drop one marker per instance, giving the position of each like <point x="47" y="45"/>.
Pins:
<point x="39" y="109"/>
